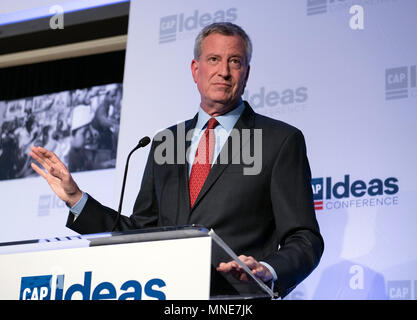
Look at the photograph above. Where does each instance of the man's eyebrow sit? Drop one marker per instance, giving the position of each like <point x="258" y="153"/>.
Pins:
<point x="234" y="55"/>
<point x="212" y="54"/>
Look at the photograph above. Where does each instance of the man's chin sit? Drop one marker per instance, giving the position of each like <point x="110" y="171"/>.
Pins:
<point x="224" y="99"/>
<point x="222" y="106"/>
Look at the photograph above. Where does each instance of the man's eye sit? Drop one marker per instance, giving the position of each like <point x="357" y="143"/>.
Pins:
<point x="235" y="63"/>
<point x="212" y="59"/>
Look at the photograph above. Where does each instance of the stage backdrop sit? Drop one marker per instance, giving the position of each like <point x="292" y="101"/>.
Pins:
<point x="344" y="72"/>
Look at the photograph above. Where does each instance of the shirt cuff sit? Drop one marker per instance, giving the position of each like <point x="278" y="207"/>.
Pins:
<point x="79" y="206"/>
<point x="274" y="274"/>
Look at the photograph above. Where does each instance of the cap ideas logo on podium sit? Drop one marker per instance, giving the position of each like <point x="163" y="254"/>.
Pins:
<point x="36" y="288"/>
<point x="51" y="287"/>
<point x="183" y="26"/>
<point x="328" y="194"/>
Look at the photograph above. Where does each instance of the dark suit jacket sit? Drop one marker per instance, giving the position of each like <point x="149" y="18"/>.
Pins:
<point x="254" y="214"/>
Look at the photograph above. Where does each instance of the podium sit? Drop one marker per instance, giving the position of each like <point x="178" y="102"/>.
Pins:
<point x="170" y="263"/>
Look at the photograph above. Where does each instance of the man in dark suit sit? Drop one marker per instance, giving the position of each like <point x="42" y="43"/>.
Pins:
<point x="263" y="210"/>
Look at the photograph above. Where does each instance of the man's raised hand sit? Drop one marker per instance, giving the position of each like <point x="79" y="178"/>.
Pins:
<point x="57" y="175"/>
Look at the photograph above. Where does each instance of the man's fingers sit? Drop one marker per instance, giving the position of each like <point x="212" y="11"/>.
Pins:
<point x="234" y="269"/>
<point x="222" y="267"/>
<point x="243" y="276"/>
<point x="40" y="157"/>
<point x="249" y="261"/>
<point x="231" y="266"/>
<point x="258" y="269"/>
<point x="48" y="177"/>
<point x="44" y="164"/>
<point x="44" y="156"/>
<point x="49" y="161"/>
<point x="39" y="170"/>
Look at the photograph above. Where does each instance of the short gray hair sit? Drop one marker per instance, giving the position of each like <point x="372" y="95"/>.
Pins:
<point x="226" y="29"/>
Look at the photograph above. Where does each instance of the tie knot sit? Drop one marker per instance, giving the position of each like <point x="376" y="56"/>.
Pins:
<point x="212" y="123"/>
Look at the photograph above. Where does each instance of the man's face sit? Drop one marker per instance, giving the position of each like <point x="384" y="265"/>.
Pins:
<point x="111" y="96"/>
<point x="82" y="137"/>
<point x="77" y="140"/>
<point x="221" y="73"/>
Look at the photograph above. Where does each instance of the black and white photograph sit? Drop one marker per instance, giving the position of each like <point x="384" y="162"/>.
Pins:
<point x="80" y="126"/>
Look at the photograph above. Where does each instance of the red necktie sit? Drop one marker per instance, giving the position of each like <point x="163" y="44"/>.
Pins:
<point x="203" y="160"/>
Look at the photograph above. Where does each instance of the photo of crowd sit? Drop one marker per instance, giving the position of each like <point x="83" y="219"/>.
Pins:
<point x="80" y="126"/>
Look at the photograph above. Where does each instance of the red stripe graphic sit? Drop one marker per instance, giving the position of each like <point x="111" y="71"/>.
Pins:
<point x="318" y="205"/>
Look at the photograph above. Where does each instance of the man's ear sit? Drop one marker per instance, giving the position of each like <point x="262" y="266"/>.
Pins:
<point x="194" y="69"/>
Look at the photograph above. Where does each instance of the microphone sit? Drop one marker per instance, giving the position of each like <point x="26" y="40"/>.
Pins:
<point x="142" y="143"/>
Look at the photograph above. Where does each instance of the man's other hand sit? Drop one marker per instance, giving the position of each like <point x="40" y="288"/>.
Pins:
<point x="258" y="269"/>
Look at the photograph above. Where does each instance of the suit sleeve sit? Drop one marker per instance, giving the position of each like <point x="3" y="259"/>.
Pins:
<point x="301" y="244"/>
<point x="96" y="218"/>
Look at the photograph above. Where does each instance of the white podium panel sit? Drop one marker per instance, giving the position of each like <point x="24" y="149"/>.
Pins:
<point x="154" y="270"/>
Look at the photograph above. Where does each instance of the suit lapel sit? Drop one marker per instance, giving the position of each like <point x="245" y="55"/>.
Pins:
<point x="246" y="121"/>
<point x="183" y="179"/>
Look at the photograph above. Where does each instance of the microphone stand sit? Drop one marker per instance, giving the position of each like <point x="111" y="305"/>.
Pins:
<point x="142" y="143"/>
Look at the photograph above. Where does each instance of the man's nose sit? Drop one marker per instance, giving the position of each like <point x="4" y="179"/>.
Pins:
<point x="224" y="69"/>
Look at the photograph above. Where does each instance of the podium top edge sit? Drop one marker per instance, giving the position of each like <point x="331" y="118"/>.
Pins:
<point x="197" y="228"/>
<point x="106" y="238"/>
<point x="149" y="234"/>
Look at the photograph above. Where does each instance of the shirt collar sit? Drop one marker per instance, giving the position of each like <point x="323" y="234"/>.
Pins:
<point x="227" y="120"/>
